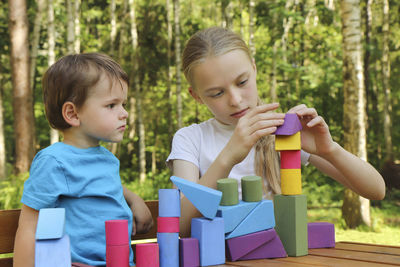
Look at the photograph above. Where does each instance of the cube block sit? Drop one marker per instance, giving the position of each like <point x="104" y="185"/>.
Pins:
<point x="321" y="235"/>
<point x="291" y="181"/>
<point x="288" y="142"/>
<point x="290" y="159"/>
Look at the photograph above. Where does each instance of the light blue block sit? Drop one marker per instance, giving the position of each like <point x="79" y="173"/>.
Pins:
<point x="233" y="215"/>
<point x="210" y="234"/>
<point x="51" y="223"/>
<point x="169" y="203"/>
<point x="53" y="252"/>
<point x="260" y="218"/>
<point x="168" y="244"/>
<point x="205" y="199"/>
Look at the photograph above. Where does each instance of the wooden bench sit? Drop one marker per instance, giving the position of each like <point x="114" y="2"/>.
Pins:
<point x="9" y="224"/>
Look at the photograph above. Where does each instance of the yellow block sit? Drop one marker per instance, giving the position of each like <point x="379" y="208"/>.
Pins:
<point x="291" y="181"/>
<point x="288" y="142"/>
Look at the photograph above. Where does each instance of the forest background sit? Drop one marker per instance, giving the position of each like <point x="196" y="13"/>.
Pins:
<point x="341" y="57"/>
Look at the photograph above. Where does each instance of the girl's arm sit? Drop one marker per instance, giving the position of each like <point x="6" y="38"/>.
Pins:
<point x="142" y="219"/>
<point x="24" y="247"/>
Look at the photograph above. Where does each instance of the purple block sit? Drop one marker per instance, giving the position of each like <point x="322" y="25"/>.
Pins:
<point x="259" y="245"/>
<point x="321" y="235"/>
<point x="290" y="126"/>
<point x="189" y="252"/>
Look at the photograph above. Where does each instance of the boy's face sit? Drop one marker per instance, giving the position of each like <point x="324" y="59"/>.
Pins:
<point x="103" y="115"/>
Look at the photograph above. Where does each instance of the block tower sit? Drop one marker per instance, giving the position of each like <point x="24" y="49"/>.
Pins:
<point x="291" y="206"/>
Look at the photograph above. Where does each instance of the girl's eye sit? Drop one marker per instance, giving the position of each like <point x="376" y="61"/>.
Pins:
<point x="243" y="82"/>
<point x="217" y="94"/>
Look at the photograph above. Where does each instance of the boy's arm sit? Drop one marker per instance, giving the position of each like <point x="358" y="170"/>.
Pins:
<point x="24" y="247"/>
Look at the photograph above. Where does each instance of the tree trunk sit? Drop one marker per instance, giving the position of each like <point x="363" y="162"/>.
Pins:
<point x="70" y="27"/>
<point x="77" y="27"/>
<point x="24" y="127"/>
<point x="178" y="62"/>
<point x="3" y="170"/>
<point x="171" y="129"/>
<point x="355" y="209"/>
<point x="251" y="28"/>
<point x="226" y="12"/>
<point x="35" y="40"/>
<point x="113" y="32"/>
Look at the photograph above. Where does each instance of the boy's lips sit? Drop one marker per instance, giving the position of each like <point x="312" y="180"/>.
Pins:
<point x="239" y="113"/>
<point x="122" y="128"/>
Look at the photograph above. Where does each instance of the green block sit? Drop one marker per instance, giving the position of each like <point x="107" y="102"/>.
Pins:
<point x="291" y="223"/>
<point x="229" y="189"/>
<point x="251" y="188"/>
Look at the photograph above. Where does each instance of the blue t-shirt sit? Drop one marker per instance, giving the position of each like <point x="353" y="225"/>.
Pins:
<point x="87" y="184"/>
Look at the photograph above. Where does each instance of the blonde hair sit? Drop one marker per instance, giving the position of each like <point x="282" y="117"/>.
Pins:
<point x="214" y="42"/>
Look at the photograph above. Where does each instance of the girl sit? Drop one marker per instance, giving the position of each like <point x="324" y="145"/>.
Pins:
<point x="238" y="141"/>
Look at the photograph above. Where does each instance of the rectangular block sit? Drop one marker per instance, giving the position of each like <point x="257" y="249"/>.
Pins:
<point x="291" y="181"/>
<point x="233" y="215"/>
<point x="290" y="159"/>
<point x="169" y="203"/>
<point x="291" y="223"/>
<point x="53" y="252"/>
<point x="288" y="142"/>
<point x="51" y="223"/>
<point x="168" y="244"/>
<point x="321" y="235"/>
<point x="189" y="252"/>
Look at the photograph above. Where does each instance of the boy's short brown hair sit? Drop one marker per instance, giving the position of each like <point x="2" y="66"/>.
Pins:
<point x="70" y="78"/>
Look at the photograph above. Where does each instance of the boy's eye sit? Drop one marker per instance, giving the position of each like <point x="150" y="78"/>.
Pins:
<point x="111" y="105"/>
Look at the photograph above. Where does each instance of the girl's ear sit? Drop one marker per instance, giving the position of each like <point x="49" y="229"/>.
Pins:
<point x="254" y="65"/>
<point x="70" y="114"/>
<point x="194" y="95"/>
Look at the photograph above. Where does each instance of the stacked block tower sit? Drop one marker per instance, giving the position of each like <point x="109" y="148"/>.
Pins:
<point x="291" y="205"/>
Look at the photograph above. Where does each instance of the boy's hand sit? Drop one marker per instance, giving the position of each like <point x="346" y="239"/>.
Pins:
<point x="142" y="219"/>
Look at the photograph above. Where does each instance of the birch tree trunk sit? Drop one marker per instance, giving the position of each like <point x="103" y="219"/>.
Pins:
<point x="355" y="209"/>
<point x="77" y="27"/>
<point x="178" y="62"/>
<point x="113" y="32"/>
<point x="70" y="27"/>
<point x="24" y="128"/>
<point x="251" y="27"/>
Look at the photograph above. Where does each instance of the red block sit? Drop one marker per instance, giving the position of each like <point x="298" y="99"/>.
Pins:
<point x="147" y="255"/>
<point x="290" y="159"/>
<point x="168" y="224"/>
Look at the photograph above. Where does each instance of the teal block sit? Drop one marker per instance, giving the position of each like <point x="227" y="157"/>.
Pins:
<point x="205" y="199"/>
<point x="260" y="218"/>
<point x="51" y="223"/>
<point x="233" y="215"/>
<point x="53" y="252"/>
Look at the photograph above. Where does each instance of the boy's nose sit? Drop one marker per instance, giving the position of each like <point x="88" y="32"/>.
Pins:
<point x="124" y="114"/>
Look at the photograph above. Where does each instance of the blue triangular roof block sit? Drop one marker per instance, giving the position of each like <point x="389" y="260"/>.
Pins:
<point x="233" y="215"/>
<point x="205" y="199"/>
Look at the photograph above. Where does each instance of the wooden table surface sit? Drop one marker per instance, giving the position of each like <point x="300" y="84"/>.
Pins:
<point x="344" y="254"/>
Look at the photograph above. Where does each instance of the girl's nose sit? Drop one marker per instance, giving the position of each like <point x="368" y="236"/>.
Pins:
<point x="235" y="97"/>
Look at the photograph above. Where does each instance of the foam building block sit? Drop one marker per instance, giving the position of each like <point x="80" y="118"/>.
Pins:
<point x="147" y="255"/>
<point x="117" y="243"/>
<point x="169" y="203"/>
<point x="51" y="223"/>
<point x="189" y="252"/>
<point x="233" y="215"/>
<point x="288" y="142"/>
<point x="321" y="235"/>
<point x="291" y="181"/>
<point x="169" y="249"/>
<point x="210" y="234"/>
<point x="251" y="188"/>
<point x="260" y="218"/>
<point x="291" y="159"/>
<point x="291" y="223"/>
<point x="259" y="245"/>
<point x="168" y="224"/>
<point x="290" y="126"/>
<point x="53" y="252"/>
<point x="205" y="199"/>
<point x="229" y="189"/>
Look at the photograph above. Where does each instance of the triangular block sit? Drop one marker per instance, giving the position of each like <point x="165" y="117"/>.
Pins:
<point x="53" y="252"/>
<point x="51" y="223"/>
<point x="205" y="199"/>
<point x="290" y="126"/>
<point x="233" y="215"/>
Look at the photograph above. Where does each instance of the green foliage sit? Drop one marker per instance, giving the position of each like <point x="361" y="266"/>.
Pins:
<point x="11" y="191"/>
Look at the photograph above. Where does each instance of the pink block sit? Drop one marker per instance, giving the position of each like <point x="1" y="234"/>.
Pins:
<point x="168" y="224"/>
<point x="290" y="159"/>
<point x="321" y="235"/>
<point x="189" y="252"/>
<point x="147" y="255"/>
<point x="117" y="243"/>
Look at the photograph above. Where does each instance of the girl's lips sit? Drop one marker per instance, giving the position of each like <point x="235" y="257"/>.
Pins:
<point x="240" y="113"/>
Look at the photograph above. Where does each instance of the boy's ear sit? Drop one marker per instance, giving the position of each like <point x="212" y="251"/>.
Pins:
<point x="194" y="95"/>
<point x="70" y="114"/>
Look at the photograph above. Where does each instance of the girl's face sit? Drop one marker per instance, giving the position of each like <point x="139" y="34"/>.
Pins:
<point x="226" y="85"/>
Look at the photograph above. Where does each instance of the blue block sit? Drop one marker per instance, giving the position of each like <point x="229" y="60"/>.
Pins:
<point x="169" y="203"/>
<point x="233" y="215"/>
<point x="51" y="223"/>
<point x="205" y="199"/>
<point x="260" y="218"/>
<point x="168" y="244"/>
<point x="53" y="252"/>
<point x="210" y="234"/>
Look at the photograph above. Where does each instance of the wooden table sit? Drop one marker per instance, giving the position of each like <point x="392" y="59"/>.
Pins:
<point x="344" y="254"/>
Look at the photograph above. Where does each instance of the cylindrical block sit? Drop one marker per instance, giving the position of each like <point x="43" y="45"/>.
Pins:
<point x="290" y="159"/>
<point x="291" y="181"/>
<point x="229" y="189"/>
<point x="169" y="203"/>
<point x="168" y="224"/>
<point x="251" y="188"/>
<point x="147" y="255"/>
<point x="117" y="243"/>
<point x="169" y="249"/>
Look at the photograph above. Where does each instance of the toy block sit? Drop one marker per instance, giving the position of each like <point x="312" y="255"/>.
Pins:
<point x="251" y="188"/>
<point x="210" y="234"/>
<point x="168" y="224"/>
<point x="288" y="142"/>
<point x="169" y="249"/>
<point x="321" y="235"/>
<point x="53" y="252"/>
<point x="205" y="199"/>
<point x="291" y="181"/>
<point x="291" y="159"/>
<point x="260" y="245"/>
<point x="291" y="223"/>
<point x="169" y="203"/>
<point x="117" y="243"/>
<point x="147" y="255"/>
<point x="189" y="252"/>
<point x="51" y="223"/>
<point x="260" y="218"/>
<point x="233" y="215"/>
<point x="290" y="126"/>
<point x="229" y="189"/>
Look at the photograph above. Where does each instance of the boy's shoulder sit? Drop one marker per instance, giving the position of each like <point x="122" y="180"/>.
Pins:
<point x="62" y="150"/>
